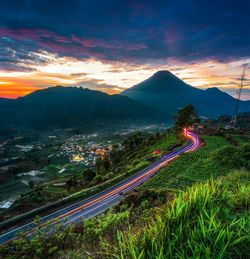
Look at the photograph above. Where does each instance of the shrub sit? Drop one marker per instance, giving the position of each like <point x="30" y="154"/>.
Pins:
<point x="233" y="157"/>
<point x="200" y="223"/>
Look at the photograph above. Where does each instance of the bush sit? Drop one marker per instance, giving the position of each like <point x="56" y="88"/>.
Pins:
<point x="233" y="157"/>
<point x="201" y="223"/>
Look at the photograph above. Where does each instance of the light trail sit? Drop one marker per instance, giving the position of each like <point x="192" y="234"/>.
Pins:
<point x="101" y="201"/>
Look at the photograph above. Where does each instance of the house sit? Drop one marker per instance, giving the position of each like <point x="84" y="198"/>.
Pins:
<point x="157" y="152"/>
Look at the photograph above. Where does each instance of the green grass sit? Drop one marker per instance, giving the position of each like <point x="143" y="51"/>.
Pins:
<point x="205" y="216"/>
<point x="56" y="190"/>
<point x="167" y="140"/>
<point x="208" y="220"/>
<point x="190" y="167"/>
<point x="197" y="207"/>
<point x="212" y="143"/>
<point x="138" y="166"/>
<point x="241" y="139"/>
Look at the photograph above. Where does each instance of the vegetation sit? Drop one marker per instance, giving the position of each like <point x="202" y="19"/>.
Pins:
<point x="42" y="110"/>
<point x="185" y="117"/>
<point x="134" y="155"/>
<point x="191" y="167"/>
<point x="243" y="120"/>
<point x="209" y="220"/>
<point x="198" y="207"/>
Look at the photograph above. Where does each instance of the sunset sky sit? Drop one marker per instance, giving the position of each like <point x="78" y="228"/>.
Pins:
<point x="113" y="45"/>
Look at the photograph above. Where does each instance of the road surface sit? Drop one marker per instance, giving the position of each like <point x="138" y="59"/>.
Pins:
<point x="102" y="201"/>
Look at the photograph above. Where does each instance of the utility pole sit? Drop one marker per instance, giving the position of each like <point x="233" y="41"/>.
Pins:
<point x="242" y="79"/>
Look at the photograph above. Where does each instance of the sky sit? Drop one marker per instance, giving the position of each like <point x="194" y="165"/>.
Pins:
<point x="111" y="45"/>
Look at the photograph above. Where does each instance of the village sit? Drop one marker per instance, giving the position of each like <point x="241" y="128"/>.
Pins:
<point x="85" y="154"/>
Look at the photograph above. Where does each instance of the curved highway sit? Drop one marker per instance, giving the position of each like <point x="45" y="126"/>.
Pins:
<point x="103" y="200"/>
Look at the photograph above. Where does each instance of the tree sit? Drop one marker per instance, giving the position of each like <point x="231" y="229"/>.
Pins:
<point x="103" y="165"/>
<point x="101" y="170"/>
<point x="106" y="162"/>
<point x="185" y="117"/>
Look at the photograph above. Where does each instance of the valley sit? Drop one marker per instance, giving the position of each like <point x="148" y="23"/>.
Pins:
<point x="35" y="172"/>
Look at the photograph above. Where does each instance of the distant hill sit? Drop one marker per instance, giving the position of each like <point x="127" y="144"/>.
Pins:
<point x="154" y="100"/>
<point x="4" y="100"/>
<point x="64" y="107"/>
<point x="167" y="92"/>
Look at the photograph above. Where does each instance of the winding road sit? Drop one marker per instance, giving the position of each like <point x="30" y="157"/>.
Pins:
<point x="102" y="201"/>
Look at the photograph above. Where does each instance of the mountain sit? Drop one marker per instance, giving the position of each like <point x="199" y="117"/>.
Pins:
<point x="64" y="107"/>
<point x="4" y="100"/>
<point x="168" y="93"/>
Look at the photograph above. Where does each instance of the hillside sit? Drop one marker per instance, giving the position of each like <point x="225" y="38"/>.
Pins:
<point x="64" y="107"/>
<point x="198" y="205"/>
<point x="167" y="92"/>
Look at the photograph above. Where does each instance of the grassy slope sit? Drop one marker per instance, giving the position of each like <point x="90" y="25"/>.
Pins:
<point x="207" y="220"/>
<point x="132" y="162"/>
<point x="190" y="167"/>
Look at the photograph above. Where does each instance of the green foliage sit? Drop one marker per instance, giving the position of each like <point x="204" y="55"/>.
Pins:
<point x="31" y="184"/>
<point x="212" y="143"/>
<point x="138" y="166"/>
<point x="203" y="222"/>
<point x="106" y="224"/>
<point x="103" y="165"/>
<point x="233" y="157"/>
<point x="192" y="167"/>
<point x="207" y="220"/>
<point x="185" y="117"/>
<point x="133" y="142"/>
<point x="6" y="190"/>
<point x="89" y="175"/>
<point x="42" y="245"/>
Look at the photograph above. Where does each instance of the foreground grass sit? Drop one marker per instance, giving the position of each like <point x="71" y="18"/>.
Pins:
<point x="208" y="220"/>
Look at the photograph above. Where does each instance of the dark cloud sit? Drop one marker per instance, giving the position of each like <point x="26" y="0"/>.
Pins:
<point x="96" y="85"/>
<point x="16" y="54"/>
<point x="131" y="31"/>
<point x="78" y="74"/>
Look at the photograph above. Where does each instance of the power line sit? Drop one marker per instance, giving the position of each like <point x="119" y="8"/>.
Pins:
<point x="242" y="79"/>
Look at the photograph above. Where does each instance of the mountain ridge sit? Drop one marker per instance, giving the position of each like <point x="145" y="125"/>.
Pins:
<point x="156" y="99"/>
<point x="70" y="106"/>
<point x="167" y="92"/>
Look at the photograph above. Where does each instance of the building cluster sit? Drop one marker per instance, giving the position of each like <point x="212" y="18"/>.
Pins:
<point x="84" y="154"/>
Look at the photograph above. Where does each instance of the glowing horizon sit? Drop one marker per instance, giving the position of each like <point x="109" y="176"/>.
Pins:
<point x="114" y="77"/>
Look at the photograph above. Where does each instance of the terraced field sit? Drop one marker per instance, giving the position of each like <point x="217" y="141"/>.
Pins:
<point x="190" y="167"/>
<point x="193" y="157"/>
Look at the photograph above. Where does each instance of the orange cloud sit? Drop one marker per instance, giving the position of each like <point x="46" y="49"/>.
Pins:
<point x="15" y="89"/>
<point x="113" y="77"/>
